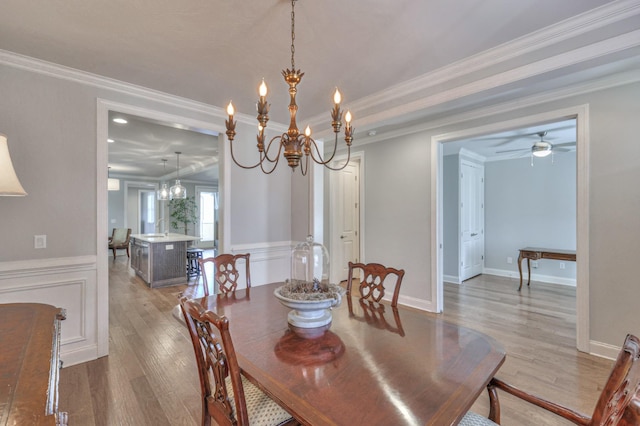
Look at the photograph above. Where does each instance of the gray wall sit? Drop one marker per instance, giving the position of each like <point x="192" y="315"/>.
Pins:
<point x="396" y="219"/>
<point x="530" y="206"/>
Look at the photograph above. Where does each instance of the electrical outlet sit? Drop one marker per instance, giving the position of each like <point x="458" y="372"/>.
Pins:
<point x="40" y="241"/>
<point x="509" y="260"/>
<point x="561" y="265"/>
<point x="534" y="264"/>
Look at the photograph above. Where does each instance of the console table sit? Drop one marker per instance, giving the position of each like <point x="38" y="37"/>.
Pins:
<point x="535" y="253"/>
<point x="30" y="364"/>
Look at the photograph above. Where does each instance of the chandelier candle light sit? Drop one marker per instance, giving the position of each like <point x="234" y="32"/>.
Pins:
<point x="294" y="143"/>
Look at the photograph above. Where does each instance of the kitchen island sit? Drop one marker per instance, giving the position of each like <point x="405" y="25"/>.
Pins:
<point x="160" y="259"/>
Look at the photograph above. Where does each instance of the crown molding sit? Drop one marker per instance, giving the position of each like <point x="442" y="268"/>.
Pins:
<point x="62" y="72"/>
<point x="613" y="80"/>
<point x="82" y="77"/>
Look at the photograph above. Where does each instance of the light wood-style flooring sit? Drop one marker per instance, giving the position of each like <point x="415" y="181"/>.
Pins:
<point x="149" y="377"/>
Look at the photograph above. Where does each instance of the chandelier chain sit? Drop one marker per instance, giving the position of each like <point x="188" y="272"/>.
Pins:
<point x="293" y="34"/>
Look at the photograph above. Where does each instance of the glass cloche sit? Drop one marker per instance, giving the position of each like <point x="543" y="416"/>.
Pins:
<point x="309" y="263"/>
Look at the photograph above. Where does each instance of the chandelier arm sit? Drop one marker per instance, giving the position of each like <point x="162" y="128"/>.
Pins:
<point x="268" y="172"/>
<point x="274" y="162"/>
<point x="335" y="169"/>
<point x="319" y="158"/>
<point x="268" y="148"/>
<point x="236" y="161"/>
<point x="304" y="166"/>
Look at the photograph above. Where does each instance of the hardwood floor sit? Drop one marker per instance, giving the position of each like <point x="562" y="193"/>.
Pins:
<point x="149" y="377"/>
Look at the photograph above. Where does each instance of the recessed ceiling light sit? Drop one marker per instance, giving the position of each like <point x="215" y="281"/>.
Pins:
<point x="120" y="120"/>
<point x="110" y="140"/>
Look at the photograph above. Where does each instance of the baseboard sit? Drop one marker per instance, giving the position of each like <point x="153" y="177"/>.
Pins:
<point x="78" y="355"/>
<point x="414" y="302"/>
<point x="603" y="350"/>
<point x="451" y="279"/>
<point x="534" y="277"/>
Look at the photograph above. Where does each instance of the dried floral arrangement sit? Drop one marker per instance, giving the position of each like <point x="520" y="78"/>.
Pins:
<point x="305" y="290"/>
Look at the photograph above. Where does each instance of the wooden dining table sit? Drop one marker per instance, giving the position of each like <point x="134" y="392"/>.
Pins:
<point x="382" y="367"/>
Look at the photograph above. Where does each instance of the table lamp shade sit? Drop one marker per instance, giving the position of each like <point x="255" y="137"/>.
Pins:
<point x="9" y="183"/>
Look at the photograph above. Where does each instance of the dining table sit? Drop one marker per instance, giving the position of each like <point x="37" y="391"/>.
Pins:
<point x="375" y="365"/>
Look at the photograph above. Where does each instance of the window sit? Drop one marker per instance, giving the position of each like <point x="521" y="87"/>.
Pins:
<point x="208" y="217"/>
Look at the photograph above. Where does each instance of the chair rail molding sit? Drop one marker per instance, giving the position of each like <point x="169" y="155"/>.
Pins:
<point x="270" y="261"/>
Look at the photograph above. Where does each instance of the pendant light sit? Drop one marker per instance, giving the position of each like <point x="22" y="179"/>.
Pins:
<point x="163" y="192"/>
<point x="178" y="191"/>
<point x="113" y="184"/>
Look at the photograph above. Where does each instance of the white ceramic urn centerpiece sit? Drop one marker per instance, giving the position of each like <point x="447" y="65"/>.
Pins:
<point x="308" y="292"/>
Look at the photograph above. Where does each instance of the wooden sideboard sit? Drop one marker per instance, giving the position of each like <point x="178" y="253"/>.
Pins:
<point x="30" y="364"/>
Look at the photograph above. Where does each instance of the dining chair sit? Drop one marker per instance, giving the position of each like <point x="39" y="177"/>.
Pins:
<point x="618" y="405"/>
<point x="228" y="398"/>
<point x="372" y="279"/>
<point x="225" y="270"/>
<point x="119" y="239"/>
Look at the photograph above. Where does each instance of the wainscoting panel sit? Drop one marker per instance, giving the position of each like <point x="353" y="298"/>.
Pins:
<point x="68" y="283"/>
<point x="270" y="262"/>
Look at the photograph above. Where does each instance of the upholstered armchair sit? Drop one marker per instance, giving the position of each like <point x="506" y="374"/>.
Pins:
<point x="119" y="239"/>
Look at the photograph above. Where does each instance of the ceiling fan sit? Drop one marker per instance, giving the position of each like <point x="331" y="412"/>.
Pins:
<point x="542" y="148"/>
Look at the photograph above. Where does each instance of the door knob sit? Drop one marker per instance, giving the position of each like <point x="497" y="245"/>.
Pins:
<point x="474" y="234"/>
<point x="341" y="236"/>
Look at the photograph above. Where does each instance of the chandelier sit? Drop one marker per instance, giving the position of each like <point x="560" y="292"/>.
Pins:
<point x="294" y="143"/>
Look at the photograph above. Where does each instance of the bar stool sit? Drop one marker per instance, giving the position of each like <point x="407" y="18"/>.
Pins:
<point x="193" y="268"/>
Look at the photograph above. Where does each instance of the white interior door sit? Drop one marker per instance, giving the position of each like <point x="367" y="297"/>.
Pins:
<point x="471" y="219"/>
<point x="345" y="216"/>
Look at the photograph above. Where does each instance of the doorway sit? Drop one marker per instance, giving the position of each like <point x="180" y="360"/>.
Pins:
<point x="104" y="107"/>
<point x="580" y="114"/>
<point x="208" y="206"/>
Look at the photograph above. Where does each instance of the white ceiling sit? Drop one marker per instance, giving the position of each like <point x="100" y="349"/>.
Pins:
<point x="397" y="63"/>
<point x="140" y="145"/>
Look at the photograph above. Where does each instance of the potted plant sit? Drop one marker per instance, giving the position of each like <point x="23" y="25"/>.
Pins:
<point x="183" y="212"/>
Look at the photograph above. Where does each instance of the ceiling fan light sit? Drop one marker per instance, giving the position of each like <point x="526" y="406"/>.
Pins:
<point x="540" y="150"/>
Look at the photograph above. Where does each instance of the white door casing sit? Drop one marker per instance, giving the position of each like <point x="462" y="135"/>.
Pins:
<point x="581" y="113"/>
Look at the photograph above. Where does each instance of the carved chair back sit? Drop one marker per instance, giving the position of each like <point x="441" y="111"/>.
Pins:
<point x="619" y="402"/>
<point x="372" y="279"/>
<point x="225" y="271"/>
<point x="216" y="360"/>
